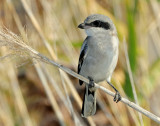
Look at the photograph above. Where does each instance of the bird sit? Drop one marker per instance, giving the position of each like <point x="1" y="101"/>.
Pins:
<point x="98" y="58"/>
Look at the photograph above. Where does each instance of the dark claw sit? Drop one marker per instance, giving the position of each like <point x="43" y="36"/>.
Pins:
<point x="91" y="82"/>
<point x="117" y="97"/>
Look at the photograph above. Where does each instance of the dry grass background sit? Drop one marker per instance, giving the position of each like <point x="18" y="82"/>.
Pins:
<point x="34" y="93"/>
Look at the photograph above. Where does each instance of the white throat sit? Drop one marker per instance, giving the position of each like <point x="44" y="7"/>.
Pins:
<point x="95" y="31"/>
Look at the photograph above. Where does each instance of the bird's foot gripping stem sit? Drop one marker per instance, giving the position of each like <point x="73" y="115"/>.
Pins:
<point x="91" y="82"/>
<point x="117" y="96"/>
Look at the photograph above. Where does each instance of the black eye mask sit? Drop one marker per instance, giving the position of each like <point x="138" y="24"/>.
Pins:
<point x="99" y="24"/>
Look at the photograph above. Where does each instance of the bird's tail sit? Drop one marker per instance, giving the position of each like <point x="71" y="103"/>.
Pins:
<point x="89" y="102"/>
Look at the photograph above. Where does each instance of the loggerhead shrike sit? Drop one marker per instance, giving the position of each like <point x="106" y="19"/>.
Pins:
<point x="98" y="58"/>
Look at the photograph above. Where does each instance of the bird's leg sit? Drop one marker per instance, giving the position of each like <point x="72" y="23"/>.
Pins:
<point x="117" y="96"/>
<point x="91" y="82"/>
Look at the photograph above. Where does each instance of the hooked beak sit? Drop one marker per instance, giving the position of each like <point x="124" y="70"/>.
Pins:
<point x="83" y="26"/>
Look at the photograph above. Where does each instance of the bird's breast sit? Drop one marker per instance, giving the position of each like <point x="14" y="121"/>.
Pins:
<point x="103" y="45"/>
<point x="101" y="58"/>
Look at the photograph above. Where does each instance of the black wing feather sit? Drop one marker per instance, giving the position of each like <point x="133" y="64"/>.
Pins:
<point x="82" y="57"/>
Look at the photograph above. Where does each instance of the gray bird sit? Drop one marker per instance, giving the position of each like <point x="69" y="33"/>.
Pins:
<point x="98" y="58"/>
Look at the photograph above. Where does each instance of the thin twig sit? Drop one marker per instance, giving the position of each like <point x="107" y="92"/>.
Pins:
<point x="9" y="39"/>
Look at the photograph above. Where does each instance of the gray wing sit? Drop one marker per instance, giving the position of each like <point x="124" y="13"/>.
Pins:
<point x="82" y="56"/>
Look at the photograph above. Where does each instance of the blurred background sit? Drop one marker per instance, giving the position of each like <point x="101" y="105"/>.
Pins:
<point x="33" y="93"/>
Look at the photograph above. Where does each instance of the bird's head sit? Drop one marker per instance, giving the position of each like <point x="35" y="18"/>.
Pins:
<point x="98" y="24"/>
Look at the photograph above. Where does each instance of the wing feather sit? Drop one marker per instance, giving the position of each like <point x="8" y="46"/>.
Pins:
<point x="83" y="54"/>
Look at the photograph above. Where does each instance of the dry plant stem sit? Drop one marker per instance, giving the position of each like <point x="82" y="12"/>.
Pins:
<point x="131" y="80"/>
<point x="129" y="103"/>
<point x="38" y="28"/>
<point x="24" y="37"/>
<point x="5" y="112"/>
<point x="102" y="104"/>
<point x="13" y="39"/>
<point x="19" y="100"/>
<point x="76" y="120"/>
<point x="55" y="85"/>
<point x="50" y="96"/>
<point x="75" y="94"/>
<point x="131" y="111"/>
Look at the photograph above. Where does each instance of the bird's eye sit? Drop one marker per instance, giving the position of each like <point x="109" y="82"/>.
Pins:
<point x="96" y="23"/>
<point x="106" y="26"/>
<point x="100" y="24"/>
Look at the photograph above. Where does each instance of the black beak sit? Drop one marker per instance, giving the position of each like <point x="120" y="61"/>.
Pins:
<point x="81" y="26"/>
